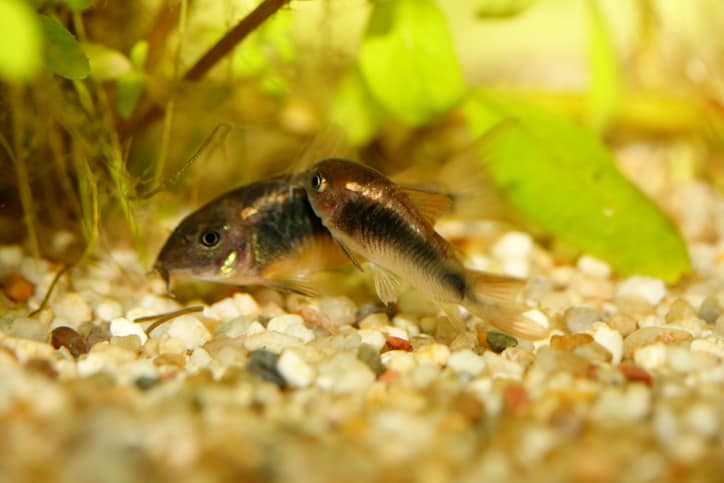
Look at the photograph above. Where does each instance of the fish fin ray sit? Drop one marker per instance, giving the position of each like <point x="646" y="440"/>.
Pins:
<point x="292" y="286"/>
<point x="387" y="284"/>
<point x="349" y="254"/>
<point x="330" y="141"/>
<point x="494" y="299"/>
<point x="430" y="204"/>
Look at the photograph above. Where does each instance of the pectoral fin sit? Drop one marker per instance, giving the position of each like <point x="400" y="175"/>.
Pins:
<point x="430" y="204"/>
<point x="292" y="286"/>
<point x="349" y="254"/>
<point x="387" y="285"/>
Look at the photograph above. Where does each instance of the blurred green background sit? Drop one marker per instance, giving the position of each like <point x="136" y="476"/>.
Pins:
<point x="101" y="110"/>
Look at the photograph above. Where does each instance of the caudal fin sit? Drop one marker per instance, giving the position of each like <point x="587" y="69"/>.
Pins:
<point x="493" y="298"/>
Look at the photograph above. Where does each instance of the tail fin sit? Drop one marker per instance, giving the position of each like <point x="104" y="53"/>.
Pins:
<point x="493" y="298"/>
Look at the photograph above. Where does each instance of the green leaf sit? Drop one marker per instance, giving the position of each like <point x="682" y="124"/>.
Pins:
<point x="408" y="60"/>
<point x="106" y="63"/>
<point x="20" y="51"/>
<point x="605" y="79"/>
<point x="561" y="177"/>
<point x="128" y="91"/>
<point x="63" y="54"/>
<point x="355" y="110"/>
<point x="78" y="5"/>
<point x="139" y="53"/>
<point x="501" y="8"/>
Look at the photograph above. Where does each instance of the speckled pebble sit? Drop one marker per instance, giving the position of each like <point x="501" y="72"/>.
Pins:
<point x="292" y="325"/>
<point x="344" y="374"/>
<point x="399" y="361"/>
<point x="437" y="354"/>
<point x="339" y="310"/>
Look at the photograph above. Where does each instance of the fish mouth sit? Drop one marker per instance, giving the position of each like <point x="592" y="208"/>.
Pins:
<point x="161" y="269"/>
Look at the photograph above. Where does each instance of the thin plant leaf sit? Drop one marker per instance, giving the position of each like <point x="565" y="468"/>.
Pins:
<point x="408" y="61"/>
<point x="561" y="178"/>
<point x="63" y="54"/>
<point x="355" y="110"/>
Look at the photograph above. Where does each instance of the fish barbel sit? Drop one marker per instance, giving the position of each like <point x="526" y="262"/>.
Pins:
<point x="392" y="227"/>
<point x="264" y="233"/>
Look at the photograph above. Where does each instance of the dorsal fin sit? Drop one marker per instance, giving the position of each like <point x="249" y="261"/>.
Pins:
<point x="430" y="204"/>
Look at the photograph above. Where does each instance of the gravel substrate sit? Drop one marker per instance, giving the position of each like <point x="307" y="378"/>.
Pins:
<point x="628" y="386"/>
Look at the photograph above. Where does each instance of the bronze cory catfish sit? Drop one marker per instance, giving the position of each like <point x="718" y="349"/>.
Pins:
<point x="392" y="227"/>
<point x="263" y="233"/>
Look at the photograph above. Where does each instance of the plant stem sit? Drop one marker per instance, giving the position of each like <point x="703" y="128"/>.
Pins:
<point x="226" y="44"/>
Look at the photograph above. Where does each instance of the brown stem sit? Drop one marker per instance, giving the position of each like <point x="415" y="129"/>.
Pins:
<point x="247" y="25"/>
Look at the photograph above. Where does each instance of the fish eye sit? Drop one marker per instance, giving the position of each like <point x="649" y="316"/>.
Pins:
<point x="318" y="182"/>
<point x="210" y="238"/>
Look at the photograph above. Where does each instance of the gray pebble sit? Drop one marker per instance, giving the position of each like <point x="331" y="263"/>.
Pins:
<point x="710" y="310"/>
<point x="371" y="356"/>
<point x="263" y="363"/>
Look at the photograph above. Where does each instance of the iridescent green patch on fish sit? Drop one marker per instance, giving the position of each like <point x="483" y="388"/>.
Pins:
<point x="264" y="233"/>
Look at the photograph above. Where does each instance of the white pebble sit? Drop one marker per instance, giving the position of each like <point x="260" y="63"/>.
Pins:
<point x="294" y="369"/>
<point x="198" y="360"/>
<point x="466" y="362"/>
<point x="436" y="354"/>
<point x="73" y="308"/>
<point x="372" y="337"/>
<point x="665" y="424"/>
<point x="398" y="361"/>
<point x="628" y="404"/>
<point x="189" y="330"/>
<point x="408" y="325"/>
<point x="651" y="357"/>
<point x="610" y="339"/>
<point x="538" y="317"/>
<point x="121" y="327"/>
<point x="712" y="345"/>
<point x="344" y="374"/>
<point x="501" y="368"/>
<point x="271" y="340"/>
<point x="398" y="332"/>
<point x="703" y="419"/>
<point x="535" y="443"/>
<point x="11" y="256"/>
<point x="255" y="328"/>
<point x="291" y="324"/>
<point x="594" y="267"/>
<point x="652" y="290"/>
<point x="339" y="310"/>
<point x="232" y="307"/>
<point x="685" y="361"/>
<point x="109" y="310"/>
<point x="513" y="245"/>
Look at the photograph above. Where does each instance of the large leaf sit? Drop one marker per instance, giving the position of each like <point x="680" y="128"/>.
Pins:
<point x="354" y="109"/>
<point x="408" y="60"/>
<point x="501" y="8"/>
<point x="561" y="177"/>
<point x="605" y="79"/>
<point x="63" y="54"/>
<point x="106" y="63"/>
<point x="20" y="51"/>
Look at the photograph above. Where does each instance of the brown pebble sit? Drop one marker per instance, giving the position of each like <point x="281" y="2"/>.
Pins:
<point x="516" y="399"/>
<point x="70" y="339"/>
<point x="569" y="342"/>
<point x="623" y="324"/>
<point x="635" y="373"/>
<point x="17" y="288"/>
<point x="177" y="360"/>
<point x="397" y="344"/>
<point x="41" y="366"/>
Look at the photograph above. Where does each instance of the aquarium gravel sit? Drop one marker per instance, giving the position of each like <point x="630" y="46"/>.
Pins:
<point x="627" y="386"/>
